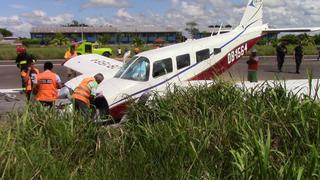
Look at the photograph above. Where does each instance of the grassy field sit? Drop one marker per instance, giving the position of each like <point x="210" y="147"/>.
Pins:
<point x="8" y="52"/>
<point x="217" y="132"/>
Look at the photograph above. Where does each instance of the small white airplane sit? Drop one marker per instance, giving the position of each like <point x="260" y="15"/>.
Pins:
<point x="177" y="64"/>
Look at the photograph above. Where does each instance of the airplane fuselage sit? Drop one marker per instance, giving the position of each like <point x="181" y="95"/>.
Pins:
<point x="200" y="59"/>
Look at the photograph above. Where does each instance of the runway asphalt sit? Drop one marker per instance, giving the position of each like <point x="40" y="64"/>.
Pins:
<point x="10" y="78"/>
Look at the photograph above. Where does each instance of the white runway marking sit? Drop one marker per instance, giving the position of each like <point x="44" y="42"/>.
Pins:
<point x="52" y="60"/>
<point x="13" y="65"/>
<point x="13" y="91"/>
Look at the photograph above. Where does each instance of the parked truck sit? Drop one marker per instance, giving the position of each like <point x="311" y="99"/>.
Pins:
<point x="90" y="48"/>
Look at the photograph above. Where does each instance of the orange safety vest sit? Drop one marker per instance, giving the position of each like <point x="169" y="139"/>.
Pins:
<point x="68" y="55"/>
<point x="29" y="82"/>
<point x="47" y="87"/>
<point x="252" y="64"/>
<point x="82" y="92"/>
<point x="24" y="77"/>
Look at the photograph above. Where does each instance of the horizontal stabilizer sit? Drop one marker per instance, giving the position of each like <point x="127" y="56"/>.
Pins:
<point x="279" y="30"/>
<point x="93" y="63"/>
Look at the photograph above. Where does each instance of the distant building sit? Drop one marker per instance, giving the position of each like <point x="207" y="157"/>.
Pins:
<point x="10" y="40"/>
<point x="1" y="36"/>
<point x="123" y="35"/>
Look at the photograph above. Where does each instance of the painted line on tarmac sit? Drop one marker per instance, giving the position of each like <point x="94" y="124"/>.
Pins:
<point x="52" y="60"/>
<point x="16" y="90"/>
<point x="12" y="65"/>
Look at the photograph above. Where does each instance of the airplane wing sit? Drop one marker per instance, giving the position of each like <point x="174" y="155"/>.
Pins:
<point x="279" y="30"/>
<point x="93" y="63"/>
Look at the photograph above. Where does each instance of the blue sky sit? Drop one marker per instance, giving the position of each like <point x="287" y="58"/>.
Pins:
<point x="20" y="16"/>
<point x="56" y="7"/>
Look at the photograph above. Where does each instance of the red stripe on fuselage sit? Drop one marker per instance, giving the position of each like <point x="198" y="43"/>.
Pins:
<point x="118" y="111"/>
<point x="222" y="65"/>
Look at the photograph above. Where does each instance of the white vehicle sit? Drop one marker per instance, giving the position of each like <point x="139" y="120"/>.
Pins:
<point x="192" y="60"/>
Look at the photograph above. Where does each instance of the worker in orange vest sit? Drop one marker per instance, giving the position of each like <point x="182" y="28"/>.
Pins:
<point x="253" y="66"/>
<point x="29" y="76"/>
<point x="136" y="50"/>
<point x="71" y="53"/>
<point x="85" y="93"/>
<point x="47" y="85"/>
<point x="23" y="61"/>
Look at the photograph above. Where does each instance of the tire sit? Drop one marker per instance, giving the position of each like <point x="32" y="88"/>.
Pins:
<point x="106" y="54"/>
<point x="101" y="104"/>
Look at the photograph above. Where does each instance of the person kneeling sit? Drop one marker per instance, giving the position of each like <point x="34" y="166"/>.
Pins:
<point x="85" y="93"/>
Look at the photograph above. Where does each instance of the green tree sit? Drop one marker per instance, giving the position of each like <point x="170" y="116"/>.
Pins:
<point x="74" y="37"/>
<point x="290" y="39"/>
<point x="5" y="32"/>
<point x="119" y="36"/>
<point x="180" y="37"/>
<point x="192" y="28"/>
<point x="104" y="39"/>
<point x="59" y="40"/>
<point x="306" y="39"/>
<point x="137" y="41"/>
<point x="75" y="23"/>
<point x="317" y="39"/>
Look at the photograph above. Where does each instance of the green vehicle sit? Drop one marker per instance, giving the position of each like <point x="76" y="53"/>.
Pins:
<point x="90" y="48"/>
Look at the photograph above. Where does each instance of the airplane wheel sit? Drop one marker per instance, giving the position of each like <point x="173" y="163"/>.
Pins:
<point x="106" y="54"/>
<point x="101" y="111"/>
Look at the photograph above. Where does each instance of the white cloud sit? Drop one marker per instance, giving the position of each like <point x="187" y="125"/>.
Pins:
<point x="35" y="14"/>
<point x="11" y="20"/>
<point x="174" y="2"/>
<point x="97" y="21"/>
<point x="122" y="13"/>
<point x="22" y="24"/>
<point x="106" y="3"/>
<point x="285" y="13"/>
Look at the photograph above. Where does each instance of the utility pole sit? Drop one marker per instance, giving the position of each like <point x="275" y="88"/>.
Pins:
<point x="81" y="26"/>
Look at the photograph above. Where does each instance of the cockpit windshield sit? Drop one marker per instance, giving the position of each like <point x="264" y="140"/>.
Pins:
<point x="136" y="69"/>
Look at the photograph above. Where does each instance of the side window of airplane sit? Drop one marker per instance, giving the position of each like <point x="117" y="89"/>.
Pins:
<point x="183" y="61"/>
<point x="162" y="67"/>
<point x="202" y="55"/>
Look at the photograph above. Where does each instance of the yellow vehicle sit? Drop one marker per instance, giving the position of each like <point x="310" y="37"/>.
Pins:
<point x="90" y="48"/>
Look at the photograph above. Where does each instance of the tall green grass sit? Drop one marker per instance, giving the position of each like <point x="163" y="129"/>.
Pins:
<point x="217" y="132"/>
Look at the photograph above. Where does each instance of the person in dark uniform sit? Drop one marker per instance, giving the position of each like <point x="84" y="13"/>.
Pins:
<point x="281" y="54"/>
<point x="23" y="61"/>
<point x="298" y="55"/>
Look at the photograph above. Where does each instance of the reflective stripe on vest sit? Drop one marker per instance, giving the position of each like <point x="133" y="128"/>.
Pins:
<point x="82" y="92"/>
<point x="23" y="62"/>
<point x="47" y="87"/>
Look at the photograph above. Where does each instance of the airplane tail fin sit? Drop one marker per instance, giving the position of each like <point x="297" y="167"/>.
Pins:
<point x="253" y="14"/>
